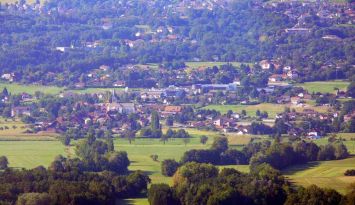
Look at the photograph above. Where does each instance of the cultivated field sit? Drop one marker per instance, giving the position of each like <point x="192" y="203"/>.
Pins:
<point x="324" y="86"/>
<point x="272" y="109"/>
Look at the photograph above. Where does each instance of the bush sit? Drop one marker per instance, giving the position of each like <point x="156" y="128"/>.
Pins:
<point x="161" y="194"/>
<point x="3" y="162"/>
<point x="350" y="172"/>
<point x="169" y="167"/>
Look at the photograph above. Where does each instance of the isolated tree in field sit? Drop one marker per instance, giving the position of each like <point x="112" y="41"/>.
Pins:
<point x="5" y="92"/>
<point x="229" y="113"/>
<point x="169" y="121"/>
<point x="154" y="157"/>
<point x="155" y="121"/>
<point x="186" y="141"/>
<point x="110" y="145"/>
<point x="203" y="139"/>
<point x="257" y="113"/>
<point x="65" y="140"/>
<point x="244" y="113"/>
<point x="164" y="138"/>
<point x="220" y="144"/>
<point x="3" y="162"/>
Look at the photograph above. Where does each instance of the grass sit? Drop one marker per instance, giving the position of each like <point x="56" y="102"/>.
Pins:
<point x="272" y="109"/>
<point x="16" y="132"/>
<point x="347" y="141"/>
<point x="324" y="86"/>
<point x="194" y="65"/>
<point x="95" y="90"/>
<point x="30" y="154"/>
<point x="15" y="88"/>
<point x="326" y="174"/>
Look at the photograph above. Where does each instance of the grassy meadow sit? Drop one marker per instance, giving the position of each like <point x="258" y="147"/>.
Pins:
<point x="326" y="174"/>
<point x="30" y="154"/>
<point x="140" y="150"/>
<point x="324" y="86"/>
<point x="194" y="65"/>
<point x="272" y="109"/>
<point x="15" y="88"/>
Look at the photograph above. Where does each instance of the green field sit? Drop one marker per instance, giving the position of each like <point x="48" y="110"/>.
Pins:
<point x="15" y="88"/>
<point x="327" y="174"/>
<point x="346" y="140"/>
<point x="194" y="65"/>
<point x="272" y="109"/>
<point x="30" y="154"/>
<point x="95" y="90"/>
<point x="324" y="86"/>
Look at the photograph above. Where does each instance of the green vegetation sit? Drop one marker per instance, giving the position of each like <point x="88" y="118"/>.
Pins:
<point x="324" y="86"/>
<point x="30" y="154"/>
<point x="272" y="109"/>
<point x="324" y="174"/>
<point x="195" y="65"/>
<point x="96" y="90"/>
<point x="15" y="88"/>
<point x="16" y="132"/>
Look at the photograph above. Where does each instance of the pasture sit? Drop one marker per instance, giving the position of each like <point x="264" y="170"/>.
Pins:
<point x="195" y="65"/>
<point x="272" y="109"/>
<point x="326" y="174"/>
<point x="15" y="88"/>
<point x="30" y="154"/>
<point x="14" y="130"/>
<point x="324" y="86"/>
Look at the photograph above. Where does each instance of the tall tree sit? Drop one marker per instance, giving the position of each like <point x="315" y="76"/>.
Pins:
<point x="155" y="121"/>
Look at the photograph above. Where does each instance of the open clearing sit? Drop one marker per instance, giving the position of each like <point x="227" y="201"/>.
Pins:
<point x="324" y="86"/>
<point x="324" y="174"/>
<point x="272" y="109"/>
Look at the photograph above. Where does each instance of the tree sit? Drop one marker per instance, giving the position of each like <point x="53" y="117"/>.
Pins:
<point x="314" y="195"/>
<point x="118" y="162"/>
<point x="164" y="138"/>
<point x="34" y="199"/>
<point x="154" y="157"/>
<point x="110" y="145"/>
<point x="351" y="90"/>
<point x="244" y="113"/>
<point x="257" y="113"/>
<point x="161" y="194"/>
<point x="169" y="167"/>
<point x="155" y="121"/>
<point x="203" y="139"/>
<point x="5" y="92"/>
<point x="169" y="121"/>
<point x="186" y="141"/>
<point x="3" y="162"/>
<point x="65" y="140"/>
<point x="194" y="172"/>
<point x="220" y="144"/>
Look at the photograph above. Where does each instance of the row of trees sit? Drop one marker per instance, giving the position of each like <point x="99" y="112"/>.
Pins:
<point x="45" y="187"/>
<point x="195" y="184"/>
<point x="278" y="155"/>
